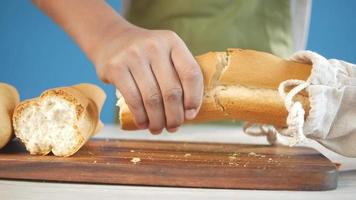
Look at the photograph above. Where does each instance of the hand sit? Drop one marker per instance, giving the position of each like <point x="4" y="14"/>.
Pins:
<point x="154" y="71"/>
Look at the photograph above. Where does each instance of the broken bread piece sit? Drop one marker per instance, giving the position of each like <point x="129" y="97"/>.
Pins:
<point x="241" y="85"/>
<point x="61" y="120"/>
<point x="9" y="98"/>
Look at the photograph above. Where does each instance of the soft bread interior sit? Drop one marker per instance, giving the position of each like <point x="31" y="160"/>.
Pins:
<point x="61" y="120"/>
<point x="49" y="125"/>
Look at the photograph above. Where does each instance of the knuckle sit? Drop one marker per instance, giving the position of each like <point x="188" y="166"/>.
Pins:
<point x="171" y="34"/>
<point x="113" y="64"/>
<point x="154" y="100"/>
<point x="193" y="75"/>
<point x="152" y="44"/>
<point x="111" y="68"/>
<point x="133" y="101"/>
<point x="173" y="95"/>
<point x="133" y="52"/>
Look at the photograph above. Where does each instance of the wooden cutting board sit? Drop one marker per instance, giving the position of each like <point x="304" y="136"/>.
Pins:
<point x="182" y="164"/>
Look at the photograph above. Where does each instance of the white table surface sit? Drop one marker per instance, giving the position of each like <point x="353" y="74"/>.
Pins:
<point x="208" y="133"/>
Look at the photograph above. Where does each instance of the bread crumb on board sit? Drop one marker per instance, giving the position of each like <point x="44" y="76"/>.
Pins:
<point x="187" y="155"/>
<point x="135" y="160"/>
<point x="252" y="154"/>
<point x="233" y="156"/>
<point x="245" y="165"/>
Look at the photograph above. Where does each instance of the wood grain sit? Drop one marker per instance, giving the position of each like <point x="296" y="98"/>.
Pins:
<point x="181" y="164"/>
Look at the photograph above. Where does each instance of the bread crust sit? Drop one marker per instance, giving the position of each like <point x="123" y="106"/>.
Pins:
<point x="9" y="98"/>
<point x="87" y="100"/>
<point x="241" y="85"/>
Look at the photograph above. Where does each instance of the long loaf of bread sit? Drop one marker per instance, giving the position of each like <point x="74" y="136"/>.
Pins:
<point x="61" y="120"/>
<point x="9" y="98"/>
<point x="241" y="85"/>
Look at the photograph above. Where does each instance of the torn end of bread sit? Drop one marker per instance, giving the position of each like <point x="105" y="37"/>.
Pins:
<point x="61" y="120"/>
<point x="241" y="85"/>
<point x="9" y="98"/>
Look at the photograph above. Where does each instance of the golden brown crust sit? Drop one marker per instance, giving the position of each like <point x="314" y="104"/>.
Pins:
<point x="9" y="98"/>
<point x="214" y="63"/>
<point x="126" y="119"/>
<point x="97" y="98"/>
<point x="255" y="69"/>
<point x="87" y="100"/>
<point x="240" y="103"/>
<point x="241" y="85"/>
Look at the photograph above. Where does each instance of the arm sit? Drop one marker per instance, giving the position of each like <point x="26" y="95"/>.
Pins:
<point x="88" y="22"/>
<point x="153" y="69"/>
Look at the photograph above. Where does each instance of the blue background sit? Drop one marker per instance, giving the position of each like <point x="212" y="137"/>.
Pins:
<point x="35" y="54"/>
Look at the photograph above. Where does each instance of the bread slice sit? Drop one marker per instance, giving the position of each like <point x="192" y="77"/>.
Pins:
<point x="9" y="98"/>
<point x="241" y="85"/>
<point x="61" y="120"/>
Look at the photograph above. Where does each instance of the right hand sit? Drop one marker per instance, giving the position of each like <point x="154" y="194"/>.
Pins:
<point x="156" y="74"/>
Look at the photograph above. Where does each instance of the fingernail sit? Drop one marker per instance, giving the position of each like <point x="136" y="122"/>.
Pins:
<point x="190" y="114"/>
<point x="156" y="132"/>
<point x="172" y="130"/>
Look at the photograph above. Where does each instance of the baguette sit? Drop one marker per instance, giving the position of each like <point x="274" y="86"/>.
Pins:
<point x="61" y="120"/>
<point x="241" y="85"/>
<point x="9" y="98"/>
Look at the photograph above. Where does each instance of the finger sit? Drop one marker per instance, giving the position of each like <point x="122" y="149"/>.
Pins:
<point x="151" y="94"/>
<point x="190" y="76"/>
<point x="125" y="83"/>
<point x="171" y="89"/>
